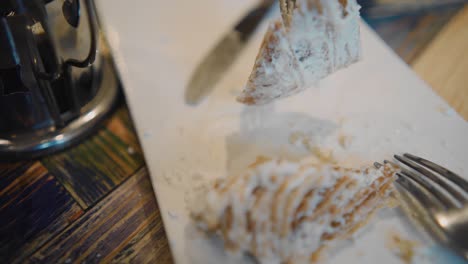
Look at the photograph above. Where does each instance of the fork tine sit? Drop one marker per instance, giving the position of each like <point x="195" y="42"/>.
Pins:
<point x="456" y="194"/>
<point x="416" y="192"/>
<point x="441" y="170"/>
<point x="442" y="198"/>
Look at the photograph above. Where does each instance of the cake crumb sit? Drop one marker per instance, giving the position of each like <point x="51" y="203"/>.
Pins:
<point x="308" y="142"/>
<point x="447" y="111"/>
<point x="324" y="155"/>
<point x="300" y="139"/>
<point x="297" y="137"/>
<point x="392" y="201"/>
<point x="345" y="141"/>
<point x="401" y="247"/>
<point x="131" y="150"/>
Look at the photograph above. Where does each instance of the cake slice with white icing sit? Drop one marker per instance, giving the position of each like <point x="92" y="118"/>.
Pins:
<point x="313" y="39"/>
<point x="281" y="211"/>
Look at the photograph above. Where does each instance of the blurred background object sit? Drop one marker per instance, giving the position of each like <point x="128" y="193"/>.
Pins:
<point x="392" y="8"/>
<point x="407" y="26"/>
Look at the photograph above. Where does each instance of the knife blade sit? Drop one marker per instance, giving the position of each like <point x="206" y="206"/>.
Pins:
<point x="210" y="70"/>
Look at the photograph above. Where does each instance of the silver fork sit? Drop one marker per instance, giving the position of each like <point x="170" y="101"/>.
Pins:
<point x="437" y="198"/>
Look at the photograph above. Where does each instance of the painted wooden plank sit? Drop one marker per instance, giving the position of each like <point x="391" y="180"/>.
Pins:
<point x="92" y="169"/>
<point x="409" y="35"/>
<point x="392" y="8"/>
<point x="124" y="226"/>
<point x="34" y="207"/>
<point x="122" y="127"/>
<point x="444" y="65"/>
<point x="149" y="246"/>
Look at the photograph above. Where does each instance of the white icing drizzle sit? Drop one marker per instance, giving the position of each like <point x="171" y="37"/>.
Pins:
<point x="282" y="211"/>
<point x="316" y="44"/>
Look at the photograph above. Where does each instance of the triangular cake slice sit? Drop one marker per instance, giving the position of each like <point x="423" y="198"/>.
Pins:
<point x="282" y="211"/>
<point x="313" y="39"/>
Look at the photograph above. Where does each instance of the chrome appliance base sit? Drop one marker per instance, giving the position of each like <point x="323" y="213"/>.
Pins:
<point x="32" y="145"/>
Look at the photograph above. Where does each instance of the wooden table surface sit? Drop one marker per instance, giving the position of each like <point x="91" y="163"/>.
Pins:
<point x="94" y="202"/>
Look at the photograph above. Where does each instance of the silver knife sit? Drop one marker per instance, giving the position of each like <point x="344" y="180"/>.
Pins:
<point x="219" y="59"/>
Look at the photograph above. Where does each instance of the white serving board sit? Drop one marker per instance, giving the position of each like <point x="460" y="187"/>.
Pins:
<point x="379" y="103"/>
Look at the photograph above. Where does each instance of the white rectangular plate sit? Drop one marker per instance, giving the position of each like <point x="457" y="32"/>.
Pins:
<point x="379" y="104"/>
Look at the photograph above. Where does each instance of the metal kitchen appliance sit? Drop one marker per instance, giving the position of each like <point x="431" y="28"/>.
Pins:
<point x="57" y="79"/>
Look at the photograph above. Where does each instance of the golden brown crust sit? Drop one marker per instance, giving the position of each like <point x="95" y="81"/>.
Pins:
<point x="315" y="5"/>
<point x="287" y="8"/>
<point x="248" y="100"/>
<point x="269" y="40"/>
